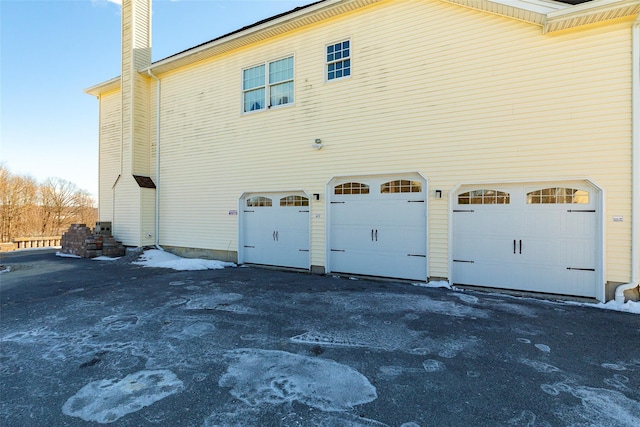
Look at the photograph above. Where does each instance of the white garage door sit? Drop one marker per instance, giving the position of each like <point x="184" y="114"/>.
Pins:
<point x="275" y="230"/>
<point x="540" y="238"/>
<point x="378" y="226"/>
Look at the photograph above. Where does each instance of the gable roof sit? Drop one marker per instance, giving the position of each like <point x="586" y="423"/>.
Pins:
<point x="549" y="14"/>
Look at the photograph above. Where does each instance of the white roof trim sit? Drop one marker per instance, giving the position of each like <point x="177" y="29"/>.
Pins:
<point x="269" y="28"/>
<point x="550" y="15"/>
<point x="588" y="13"/>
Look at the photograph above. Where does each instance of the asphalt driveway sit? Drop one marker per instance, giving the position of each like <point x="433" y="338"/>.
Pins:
<point x="86" y="342"/>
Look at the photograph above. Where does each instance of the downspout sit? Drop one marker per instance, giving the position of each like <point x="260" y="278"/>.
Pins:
<point x="157" y="231"/>
<point x="635" y="160"/>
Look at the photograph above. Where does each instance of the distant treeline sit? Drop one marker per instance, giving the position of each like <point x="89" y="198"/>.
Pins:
<point x="31" y="209"/>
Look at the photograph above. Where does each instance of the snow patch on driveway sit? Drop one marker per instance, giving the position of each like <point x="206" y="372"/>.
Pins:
<point x="105" y="401"/>
<point x="162" y="259"/>
<point x="600" y="406"/>
<point x="274" y="377"/>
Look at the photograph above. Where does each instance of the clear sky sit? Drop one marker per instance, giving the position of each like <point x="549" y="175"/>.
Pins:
<point x="51" y="50"/>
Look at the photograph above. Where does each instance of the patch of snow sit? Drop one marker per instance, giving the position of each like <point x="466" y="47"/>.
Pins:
<point x="434" y="284"/>
<point x="544" y="348"/>
<point x="470" y="299"/>
<point x="433" y="365"/>
<point x="259" y="377"/>
<point x="106" y="401"/>
<point x="5" y="269"/>
<point x="614" y="366"/>
<point x="627" y="307"/>
<point x="63" y="255"/>
<point x="448" y="347"/>
<point x="599" y="406"/>
<point x="104" y="258"/>
<point x="161" y="259"/>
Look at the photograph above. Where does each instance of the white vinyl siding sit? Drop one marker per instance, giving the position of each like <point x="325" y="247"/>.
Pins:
<point x="110" y="134"/>
<point x="497" y="101"/>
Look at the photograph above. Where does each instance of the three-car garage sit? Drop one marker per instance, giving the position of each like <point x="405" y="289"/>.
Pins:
<point x="536" y="237"/>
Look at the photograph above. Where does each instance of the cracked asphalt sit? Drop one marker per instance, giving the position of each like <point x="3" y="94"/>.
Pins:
<point x="87" y="342"/>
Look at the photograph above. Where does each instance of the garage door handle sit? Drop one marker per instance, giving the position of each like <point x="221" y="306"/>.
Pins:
<point x="514" y="246"/>
<point x="372" y="234"/>
<point x="376" y="235"/>
<point x="520" y="246"/>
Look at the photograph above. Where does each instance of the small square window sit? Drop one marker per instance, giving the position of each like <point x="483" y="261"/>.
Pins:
<point x="338" y="60"/>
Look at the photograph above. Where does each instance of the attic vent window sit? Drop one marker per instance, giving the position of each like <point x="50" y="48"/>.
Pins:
<point x="272" y="81"/>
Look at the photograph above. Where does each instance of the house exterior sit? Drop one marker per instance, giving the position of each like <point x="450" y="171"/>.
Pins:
<point x="488" y="143"/>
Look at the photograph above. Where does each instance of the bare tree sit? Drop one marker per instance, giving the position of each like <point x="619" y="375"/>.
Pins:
<point x="57" y="204"/>
<point x="29" y="209"/>
<point x="18" y="195"/>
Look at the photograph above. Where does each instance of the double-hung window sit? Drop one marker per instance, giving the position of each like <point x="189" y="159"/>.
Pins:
<point x="268" y="85"/>
<point x="339" y="60"/>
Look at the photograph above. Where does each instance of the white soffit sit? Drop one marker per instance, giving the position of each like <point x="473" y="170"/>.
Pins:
<point x="589" y="13"/>
<point x="534" y="11"/>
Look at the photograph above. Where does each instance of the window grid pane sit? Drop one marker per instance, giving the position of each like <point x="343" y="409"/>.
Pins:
<point x="401" y="186"/>
<point x="294" y="201"/>
<point x="259" y="201"/>
<point x="253" y="77"/>
<point x="338" y="61"/>
<point x="281" y="94"/>
<point x="484" y="197"/>
<point x="281" y="70"/>
<point x="351" y="188"/>
<point x="557" y="195"/>
<point x="254" y="100"/>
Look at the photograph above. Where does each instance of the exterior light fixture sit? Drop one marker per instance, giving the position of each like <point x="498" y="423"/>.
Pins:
<point x="438" y="194"/>
<point x="317" y="144"/>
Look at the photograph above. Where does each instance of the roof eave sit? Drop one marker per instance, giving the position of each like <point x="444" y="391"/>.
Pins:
<point x="253" y="34"/>
<point x="532" y="11"/>
<point x="590" y="13"/>
<point x="104" y="87"/>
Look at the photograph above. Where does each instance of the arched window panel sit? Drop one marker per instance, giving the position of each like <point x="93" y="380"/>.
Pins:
<point x="351" y="188"/>
<point x="484" y="197"/>
<point x="294" y="201"/>
<point x="557" y="195"/>
<point x="257" y="201"/>
<point x="401" y="186"/>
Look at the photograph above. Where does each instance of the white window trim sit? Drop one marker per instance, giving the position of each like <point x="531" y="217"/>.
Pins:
<point x="267" y="86"/>
<point x="326" y="63"/>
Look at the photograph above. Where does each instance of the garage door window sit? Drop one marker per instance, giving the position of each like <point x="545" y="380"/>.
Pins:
<point x="294" y="201"/>
<point x="484" y="197"/>
<point x="401" y="186"/>
<point x="557" y="195"/>
<point x="351" y="188"/>
<point x="257" y="201"/>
